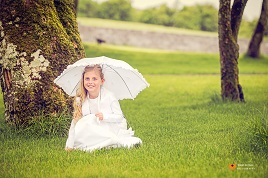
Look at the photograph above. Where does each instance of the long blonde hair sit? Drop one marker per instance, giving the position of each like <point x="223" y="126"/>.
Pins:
<point x="81" y="92"/>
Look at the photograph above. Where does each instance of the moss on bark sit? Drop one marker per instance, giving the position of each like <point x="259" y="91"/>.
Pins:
<point x="31" y="26"/>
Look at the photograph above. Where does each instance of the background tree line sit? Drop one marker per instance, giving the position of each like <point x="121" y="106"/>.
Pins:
<point x="197" y="17"/>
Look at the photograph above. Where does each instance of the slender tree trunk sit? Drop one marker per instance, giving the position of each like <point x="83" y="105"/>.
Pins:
<point x="229" y="23"/>
<point x="236" y="16"/>
<point x="262" y="25"/>
<point x="38" y="40"/>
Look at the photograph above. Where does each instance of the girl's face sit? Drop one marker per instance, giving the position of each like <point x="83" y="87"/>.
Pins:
<point x="92" y="83"/>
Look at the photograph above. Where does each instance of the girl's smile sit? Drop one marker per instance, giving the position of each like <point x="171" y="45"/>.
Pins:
<point x="92" y="83"/>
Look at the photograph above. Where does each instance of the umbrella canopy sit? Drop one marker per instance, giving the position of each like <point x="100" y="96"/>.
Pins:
<point x="120" y="78"/>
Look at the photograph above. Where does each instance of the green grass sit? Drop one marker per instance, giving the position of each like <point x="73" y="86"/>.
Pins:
<point x="186" y="130"/>
<point x="125" y="25"/>
<point x="167" y="62"/>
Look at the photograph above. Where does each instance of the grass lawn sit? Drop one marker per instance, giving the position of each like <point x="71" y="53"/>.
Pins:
<point x="186" y="130"/>
<point x="126" y="25"/>
<point x="167" y="62"/>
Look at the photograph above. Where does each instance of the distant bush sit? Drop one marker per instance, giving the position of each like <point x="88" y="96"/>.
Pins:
<point x="197" y="17"/>
<point x="247" y="27"/>
<point x="88" y="8"/>
<point x="161" y="15"/>
<point x="112" y="9"/>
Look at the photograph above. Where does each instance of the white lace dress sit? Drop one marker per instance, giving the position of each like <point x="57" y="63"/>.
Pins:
<point x="89" y="133"/>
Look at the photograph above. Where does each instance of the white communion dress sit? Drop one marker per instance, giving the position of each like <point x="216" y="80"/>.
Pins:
<point x="90" y="133"/>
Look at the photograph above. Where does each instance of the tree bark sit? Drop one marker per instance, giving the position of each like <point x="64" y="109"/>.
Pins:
<point x="236" y="16"/>
<point x="229" y="23"/>
<point x="38" y="39"/>
<point x="255" y="42"/>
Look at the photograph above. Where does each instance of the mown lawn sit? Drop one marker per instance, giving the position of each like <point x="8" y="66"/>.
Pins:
<point x="186" y="130"/>
<point x="166" y="62"/>
<point x="126" y="25"/>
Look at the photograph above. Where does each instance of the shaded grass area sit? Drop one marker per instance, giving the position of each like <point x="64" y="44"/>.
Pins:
<point x="186" y="130"/>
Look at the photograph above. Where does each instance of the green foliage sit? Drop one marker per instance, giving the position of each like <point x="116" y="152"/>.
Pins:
<point x="42" y="125"/>
<point x="247" y="28"/>
<point x="198" y="17"/>
<point x="112" y="9"/>
<point x="209" y="18"/>
<point x="189" y="18"/>
<point x="46" y="125"/>
<point x="88" y="8"/>
<point x="126" y="25"/>
<point x="116" y="9"/>
<point x="161" y="15"/>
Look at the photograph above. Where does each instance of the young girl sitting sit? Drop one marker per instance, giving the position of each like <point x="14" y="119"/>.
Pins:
<point x="98" y="121"/>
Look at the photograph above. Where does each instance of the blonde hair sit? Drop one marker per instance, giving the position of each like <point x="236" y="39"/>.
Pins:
<point x="81" y="92"/>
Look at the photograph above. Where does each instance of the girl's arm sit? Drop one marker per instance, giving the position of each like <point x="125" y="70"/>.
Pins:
<point x="116" y="115"/>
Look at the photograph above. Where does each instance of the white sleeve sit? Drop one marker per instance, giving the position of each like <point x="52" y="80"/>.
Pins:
<point x="116" y="115"/>
<point x="70" y="140"/>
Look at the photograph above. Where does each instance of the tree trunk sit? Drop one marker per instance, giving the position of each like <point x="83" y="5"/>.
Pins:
<point x="236" y="16"/>
<point x="262" y="25"/>
<point x="38" y="40"/>
<point x="229" y="25"/>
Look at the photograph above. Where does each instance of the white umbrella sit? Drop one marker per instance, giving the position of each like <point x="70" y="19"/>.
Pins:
<point x="120" y="78"/>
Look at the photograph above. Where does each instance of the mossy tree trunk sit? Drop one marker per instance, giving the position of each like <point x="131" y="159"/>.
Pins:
<point x="255" y="42"/>
<point x="38" y="39"/>
<point x="229" y="23"/>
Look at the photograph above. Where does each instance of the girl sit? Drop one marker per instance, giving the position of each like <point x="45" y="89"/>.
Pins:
<point x="98" y="121"/>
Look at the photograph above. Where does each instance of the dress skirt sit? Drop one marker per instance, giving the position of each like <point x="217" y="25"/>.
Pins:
<point x="91" y="134"/>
